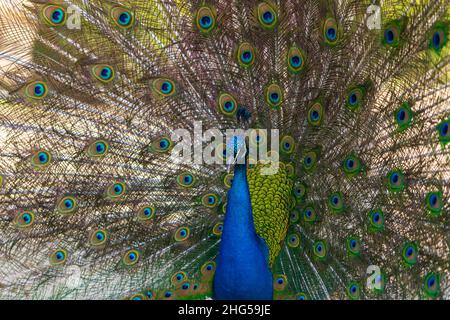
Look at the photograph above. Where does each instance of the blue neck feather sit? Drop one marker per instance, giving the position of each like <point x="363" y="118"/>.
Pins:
<point x="242" y="267"/>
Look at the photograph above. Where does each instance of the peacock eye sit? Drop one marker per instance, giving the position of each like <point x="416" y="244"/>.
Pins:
<point x="227" y="105"/>
<point x="279" y="282"/>
<point x="98" y="149"/>
<point x="267" y="16"/>
<point x="54" y="15"/>
<point x="67" y="205"/>
<point x="206" y="19"/>
<point x="103" y="73"/>
<point x="36" y="90"/>
<point x="164" y="87"/>
<point x="122" y="17"/>
<point x="246" y="55"/>
<point x="131" y="258"/>
<point x="58" y="257"/>
<point x="186" y="180"/>
<point x="274" y="96"/>
<point x="25" y="219"/>
<point x="330" y="32"/>
<point x="218" y="229"/>
<point x="182" y="234"/>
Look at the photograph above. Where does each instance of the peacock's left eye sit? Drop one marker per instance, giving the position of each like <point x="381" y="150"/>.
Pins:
<point x="206" y="19"/>
<point x="122" y="17"/>
<point x="54" y="15"/>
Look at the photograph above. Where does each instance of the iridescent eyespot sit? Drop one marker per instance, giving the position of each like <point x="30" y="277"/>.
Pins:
<point x="122" y="17"/>
<point x="41" y="159"/>
<point x="138" y="297"/>
<point x="208" y="269"/>
<point x="354" y="290"/>
<point x="116" y="190"/>
<point x="178" y="278"/>
<point x="434" y="203"/>
<point x="131" y="257"/>
<point x="336" y="202"/>
<point x="228" y="180"/>
<point x="310" y="215"/>
<point x="439" y="36"/>
<point x="24" y="219"/>
<point x="353" y="246"/>
<point x="391" y="34"/>
<point x="148" y="293"/>
<point x="146" y="213"/>
<point x="409" y="253"/>
<point x="299" y="191"/>
<point x="164" y="87"/>
<point x="294" y="217"/>
<point x="246" y="55"/>
<point x="267" y="16"/>
<point x="296" y="60"/>
<point x="316" y="114"/>
<point x="227" y="105"/>
<point x="444" y="132"/>
<point x="431" y="285"/>
<point x="218" y="229"/>
<point x="280" y="282"/>
<point x="403" y="117"/>
<point x="98" y="238"/>
<point x="36" y="90"/>
<point x="67" y="205"/>
<point x="287" y="145"/>
<point x="58" y="257"/>
<point x="162" y="145"/>
<point x="206" y="19"/>
<point x="320" y="250"/>
<point x="257" y="137"/>
<point x="396" y="181"/>
<point x="301" y="296"/>
<point x="182" y="234"/>
<point x="274" y="96"/>
<point x="352" y="166"/>
<point x="186" y="180"/>
<point x="290" y="170"/>
<point x="54" y="15"/>
<point x="376" y="221"/>
<point x="168" y="295"/>
<point x="293" y="240"/>
<point x="103" y="73"/>
<point x="309" y="161"/>
<point x="210" y="200"/>
<point x="355" y="98"/>
<point x="331" y="32"/>
<point x="98" y="149"/>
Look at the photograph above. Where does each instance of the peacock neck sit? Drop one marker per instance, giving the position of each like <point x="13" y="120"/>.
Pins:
<point x="242" y="265"/>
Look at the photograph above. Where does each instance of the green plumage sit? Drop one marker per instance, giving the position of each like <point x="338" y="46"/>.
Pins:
<point x="93" y="207"/>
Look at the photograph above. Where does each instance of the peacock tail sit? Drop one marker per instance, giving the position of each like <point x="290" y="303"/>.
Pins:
<point x="94" y="207"/>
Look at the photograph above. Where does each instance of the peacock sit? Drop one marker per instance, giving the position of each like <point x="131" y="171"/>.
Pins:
<point x="354" y="94"/>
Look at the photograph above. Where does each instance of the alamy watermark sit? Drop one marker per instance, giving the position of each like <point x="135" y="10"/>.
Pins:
<point x="235" y="146"/>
